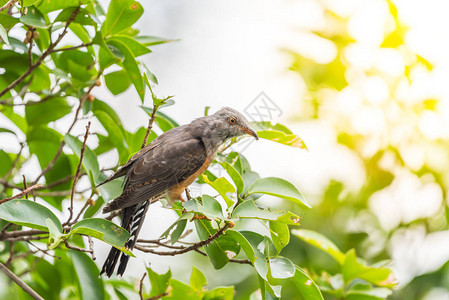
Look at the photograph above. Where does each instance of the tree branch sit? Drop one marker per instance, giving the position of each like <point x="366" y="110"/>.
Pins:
<point x="20" y="283"/>
<point x="78" y="169"/>
<point x="141" y="286"/>
<point x="72" y="48"/>
<point x="24" y="192"/>
<point x="186" y="249"/>
<point x="8" y="5"/>
<point x="150" y="126"/>
<point x="44" y="55"/>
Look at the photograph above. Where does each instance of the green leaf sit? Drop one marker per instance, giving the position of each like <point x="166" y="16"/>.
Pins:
<point x="82" y="17"/>
<point x="43" y="112"/>
<point x="306" y="286"/>
<point x="220" y="293"/>
<point x="362" y="291"/>
<point x="152" y="40"/>
<point x="28" y="213"/>
<point x="89" y="161"/>
<point x="136" y="48"/>
<point x="197" y="280"/>
<point x="281" y="268"/>
<point x="223" y="187"/>
<point x="291" y="140"/>
<point x="235" y="176"/>
<point x="4" y="35"/>
<point x="177" y="232"/>
<point x="55" y="236"/>
<point x="277" y="187"/>
<point x="214" y="251"/>
<point x="6" y="164"/>
<point x="25" y="3"/>
<point x="8" y="21"/>
<point x="47" y="6"/>
<point x="115" y="134"/>
<point x="209" y="207"/>
<point x="353" y="269"/>
<point x="121" y="15"/>
<point x="280" y="235"/>
<point x="131" y="66"/>
<point x="249" y="209"/>
<point x="180" y="290"/>
<point x="159" y="282"/>
<point x="34" y="18"/>
<point x="89" y="283"/>
<point x="103" y="230"/>
<point x="117" y="82"/>
<point x="321" y="242"/>
<point x="244" y="243"/>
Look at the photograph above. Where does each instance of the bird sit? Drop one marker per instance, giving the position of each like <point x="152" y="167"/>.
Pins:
<point x="166" y="167"/>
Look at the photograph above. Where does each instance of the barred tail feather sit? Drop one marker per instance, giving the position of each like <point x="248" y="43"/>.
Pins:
<point x="132" y="221"/>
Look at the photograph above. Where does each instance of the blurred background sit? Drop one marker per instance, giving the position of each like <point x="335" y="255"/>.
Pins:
<point x="364" y="83"/>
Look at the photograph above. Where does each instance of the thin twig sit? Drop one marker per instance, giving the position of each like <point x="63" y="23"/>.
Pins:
<point x="25" y="186"/>
<point x="238" y="261"/>
<point x="91" y="247"/>
<point x="21" y="193"/>
<point x="158" y="296"/>
<point x="19" y="233"/>
<point x="91" y="251"/>
<point x="43" y="56"/>
<point x="73" y="48"/>
<point x="141" y="286"/>
<point x="75" y="180"/>
<point x="150" y="126"/>
<point x="30" y="48"/>
<point x="16" y="160"/>
<point x="8" y="5"/>
<point x="61" y="146"/>
<point x="186" y="249"/>
<point x="20" y="283"/>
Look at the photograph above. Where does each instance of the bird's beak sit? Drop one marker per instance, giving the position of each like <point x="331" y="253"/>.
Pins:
<point x="250" y="132"/>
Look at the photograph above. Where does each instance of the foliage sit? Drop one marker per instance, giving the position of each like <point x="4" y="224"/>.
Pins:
<point x="51" y="257"/>
<point x="379" y="120"/>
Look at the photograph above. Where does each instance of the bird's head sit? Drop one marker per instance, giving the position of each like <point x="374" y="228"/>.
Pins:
<point x="230" y="123"/>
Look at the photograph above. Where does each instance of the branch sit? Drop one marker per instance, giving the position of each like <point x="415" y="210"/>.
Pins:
<point x="61" y="146"/>
<point x="186" y="249"/>
<point x="44" y="55"/>
<point x="20" y="233"/>
<point x="78" y="169"/>
<point x="150" y="125"/>
<point x="158" y="296"/>
<point x="20" y="283"/>
<point x="25" y="191"/>
<point x="141" y="285"/>
<point x="72" y="48"/>
<point x="8" y="5"/>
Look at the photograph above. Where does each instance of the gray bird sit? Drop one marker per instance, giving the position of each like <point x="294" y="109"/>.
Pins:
<point x="167" y="166"/>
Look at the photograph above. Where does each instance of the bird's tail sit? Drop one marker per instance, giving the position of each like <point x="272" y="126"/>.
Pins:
<point x="132" y="221"/>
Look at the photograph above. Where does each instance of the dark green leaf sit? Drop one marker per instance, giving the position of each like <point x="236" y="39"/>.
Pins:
<point x="28" y="213"/>
<point x="214" y="251"/>
<point x="131" y="66"/>
<point x="280" y="235"/>
<point x="244" y="243"/>
<point x="89" y="161"/>
<point x="90" y="284"/>
<point x="8" y="21"/>
<point x="47" y="111"/>
<point x="103" y="230"/>
<point x="34" y="18"/>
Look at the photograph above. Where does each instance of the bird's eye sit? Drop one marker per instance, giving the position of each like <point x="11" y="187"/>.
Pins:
<point x="232" y="120"/>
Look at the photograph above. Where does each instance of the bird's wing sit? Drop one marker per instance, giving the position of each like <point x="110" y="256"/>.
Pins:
<point x="125" y="169"/>
<point x="159" y="169"/>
